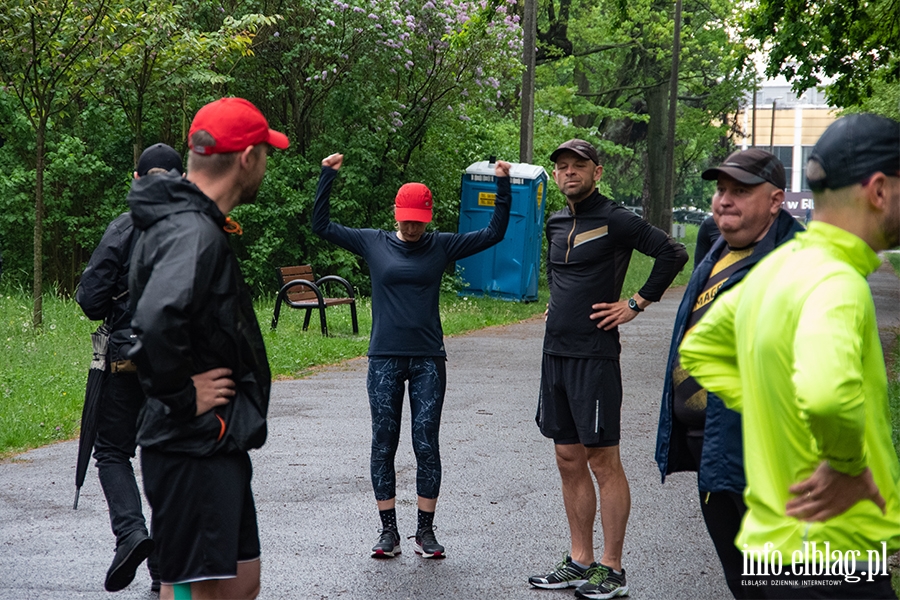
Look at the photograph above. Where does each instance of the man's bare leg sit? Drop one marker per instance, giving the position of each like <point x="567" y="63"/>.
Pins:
<point x="615" y="501"/>
<point x="243" y="587"/>
<point x="579" y="498"/>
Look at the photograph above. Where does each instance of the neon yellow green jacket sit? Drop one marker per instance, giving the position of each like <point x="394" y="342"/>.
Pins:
<point x="795" y="349"/>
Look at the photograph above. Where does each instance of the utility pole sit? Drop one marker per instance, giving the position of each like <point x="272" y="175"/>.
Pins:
<point x="753" y="134"/>
<point x="772" y="128"/>
<point x="673" y="103"/>
<point x="526" y="127"/>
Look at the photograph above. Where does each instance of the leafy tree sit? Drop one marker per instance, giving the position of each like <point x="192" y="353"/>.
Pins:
<point x="856" y="42"/>
<point x="611" y="63"/>
<point x="165" y="57"/>
<point x="50" y="50"/>
<point x="375" y="81"/>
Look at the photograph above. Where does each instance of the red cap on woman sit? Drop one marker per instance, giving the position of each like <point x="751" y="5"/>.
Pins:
<point x="413" y="203"/>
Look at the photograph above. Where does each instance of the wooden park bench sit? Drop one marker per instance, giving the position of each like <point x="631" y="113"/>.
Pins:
<point x="300" y="289"/>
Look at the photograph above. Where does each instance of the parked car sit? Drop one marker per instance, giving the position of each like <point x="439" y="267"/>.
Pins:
<point x="690" y="215"/>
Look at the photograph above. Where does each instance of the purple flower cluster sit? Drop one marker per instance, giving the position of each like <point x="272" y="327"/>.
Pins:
<point x="447" y="45"/>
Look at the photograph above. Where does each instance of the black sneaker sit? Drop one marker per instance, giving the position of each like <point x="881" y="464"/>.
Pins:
<point x="130" y="553"/>
<point x="427" y="545"/>
<point x="566" y="574"/>
<point x="388" y="545"/>
<point x="602" y="583"/>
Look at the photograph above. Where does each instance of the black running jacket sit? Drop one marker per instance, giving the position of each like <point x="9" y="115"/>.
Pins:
<point x="192" y="313"/>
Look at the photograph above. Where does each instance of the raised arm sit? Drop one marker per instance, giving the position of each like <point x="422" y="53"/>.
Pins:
<point x="322" y="225"/>
<point x="466" y="244"/>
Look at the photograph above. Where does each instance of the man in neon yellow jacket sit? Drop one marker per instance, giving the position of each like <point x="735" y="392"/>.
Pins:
<point x="795" y="349"/>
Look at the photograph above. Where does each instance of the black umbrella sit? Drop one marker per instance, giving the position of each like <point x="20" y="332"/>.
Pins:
<point x="96" y="380"/>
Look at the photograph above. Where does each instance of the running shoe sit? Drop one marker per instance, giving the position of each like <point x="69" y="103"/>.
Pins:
<point x="602" y="583"/>
<point x="565" y="574"/>
<point x="427" y="545"/>
<point x="388" y="545"/>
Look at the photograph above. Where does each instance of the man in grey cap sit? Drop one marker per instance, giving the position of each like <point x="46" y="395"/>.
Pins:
<point x="590" y="243"/>
<point x="103" y="294"/>
<point x="696" y="431"/>
<point x="795" y="349"/>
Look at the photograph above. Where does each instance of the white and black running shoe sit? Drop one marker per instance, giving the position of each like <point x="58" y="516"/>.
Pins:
<point x="427" y="545"/>
<point x="388" y="545"/>
<point x="603" y="583"/>
<point x="566" y="574"/>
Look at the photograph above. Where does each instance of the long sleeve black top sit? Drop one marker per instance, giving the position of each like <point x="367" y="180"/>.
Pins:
<point x="406" y="276"/>
<point x="587" y="258"/>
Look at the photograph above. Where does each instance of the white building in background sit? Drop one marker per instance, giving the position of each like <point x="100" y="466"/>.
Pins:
<point x="798" y="122"/>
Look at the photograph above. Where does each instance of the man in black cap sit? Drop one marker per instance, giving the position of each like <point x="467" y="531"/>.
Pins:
<point x="590" y="243"/>
<point x="103" y="294"/>
<point x="696" y="431"/>
<point x="795" y="349"/>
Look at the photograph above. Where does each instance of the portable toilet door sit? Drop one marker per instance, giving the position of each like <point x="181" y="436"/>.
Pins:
<point x="510" y="270"/>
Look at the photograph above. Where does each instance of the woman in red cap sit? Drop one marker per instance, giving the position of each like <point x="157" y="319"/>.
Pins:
<point x="407" y="342"/>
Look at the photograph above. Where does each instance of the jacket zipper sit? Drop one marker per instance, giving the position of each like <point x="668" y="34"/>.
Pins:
<point x="569" y="241"/>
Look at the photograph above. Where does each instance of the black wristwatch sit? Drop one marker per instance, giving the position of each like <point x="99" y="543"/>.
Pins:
<point x="633" y="305"/>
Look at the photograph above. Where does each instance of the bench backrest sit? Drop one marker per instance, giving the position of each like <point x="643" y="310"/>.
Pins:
<point x="299" y="293"/>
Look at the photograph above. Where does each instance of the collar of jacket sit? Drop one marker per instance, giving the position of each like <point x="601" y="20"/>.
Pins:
<point x="843" y="244"/>
<point x="587" y="204"/>
<point x="783" y="228"/>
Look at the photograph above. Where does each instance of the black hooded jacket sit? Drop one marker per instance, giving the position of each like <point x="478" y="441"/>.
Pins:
<point x="103" y="290"/>
<point x="192" y="313"/>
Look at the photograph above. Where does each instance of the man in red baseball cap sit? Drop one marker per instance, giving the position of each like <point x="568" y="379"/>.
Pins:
<point x="200" y="357"/>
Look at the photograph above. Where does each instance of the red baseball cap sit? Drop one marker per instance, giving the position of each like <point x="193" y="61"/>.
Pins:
<point x="234" y="124"/>
<point x="413" y="203"/>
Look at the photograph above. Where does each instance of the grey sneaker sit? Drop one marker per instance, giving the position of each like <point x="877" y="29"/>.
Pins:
<point x="426" y="544"/>
<point x="388" y="545"/>
<point x="566" y="574"/>
<point x="602" y="583"/>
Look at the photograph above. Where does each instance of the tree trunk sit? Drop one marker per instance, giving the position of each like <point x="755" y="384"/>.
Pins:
<point x="656" y="209"/>
<point x="584" y="87"/>
<point x="138" y="132"/>
<point x="38" y="314"/>
<point x="670" y="134"/>
<point x="526" y="126"/>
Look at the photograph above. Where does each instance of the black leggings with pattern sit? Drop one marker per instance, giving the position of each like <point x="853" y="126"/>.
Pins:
<point x="427" y="377"/>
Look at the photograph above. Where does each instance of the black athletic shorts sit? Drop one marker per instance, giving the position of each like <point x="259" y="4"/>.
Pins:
<point x="204" y="519"/>
<point x="580" y="401"/>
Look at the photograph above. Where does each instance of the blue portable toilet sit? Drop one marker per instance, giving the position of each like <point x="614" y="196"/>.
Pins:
<point x="510" y="269"/>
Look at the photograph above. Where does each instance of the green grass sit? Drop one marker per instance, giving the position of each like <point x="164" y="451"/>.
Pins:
<point x="42" y="373"/>
<point x="894" y="259"/>
<point x="293" y="352"/>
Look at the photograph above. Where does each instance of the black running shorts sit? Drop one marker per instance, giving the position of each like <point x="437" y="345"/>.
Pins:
<point x="204" y="519"/>
<point x="580" y="401"/>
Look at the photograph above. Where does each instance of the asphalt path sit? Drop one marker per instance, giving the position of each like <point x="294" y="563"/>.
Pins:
<point x="500" y="513"/>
